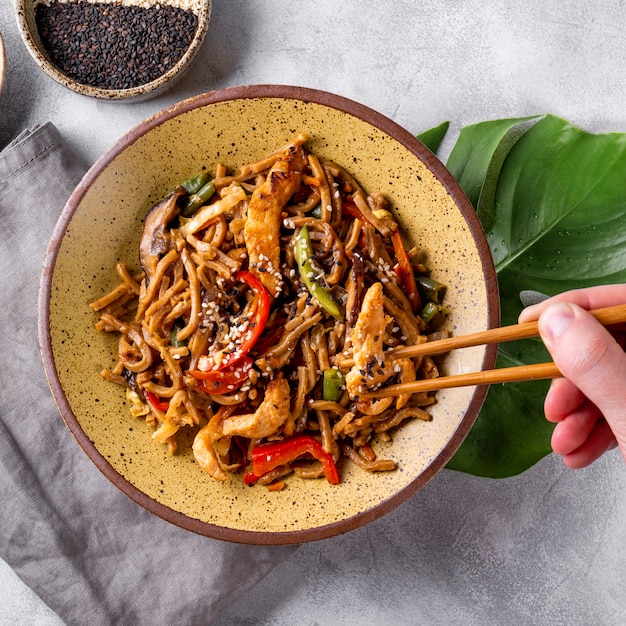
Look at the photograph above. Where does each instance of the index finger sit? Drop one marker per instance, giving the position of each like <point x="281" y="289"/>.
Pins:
<point x="588" y="299"/>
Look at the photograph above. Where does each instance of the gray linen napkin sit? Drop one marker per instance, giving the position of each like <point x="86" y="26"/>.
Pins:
<point x="91" y="553"/>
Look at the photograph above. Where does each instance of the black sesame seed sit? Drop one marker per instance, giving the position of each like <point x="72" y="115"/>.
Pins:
<point x="114" y="46"/>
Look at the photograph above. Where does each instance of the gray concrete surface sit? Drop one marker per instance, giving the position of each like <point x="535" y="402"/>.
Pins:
<point x="546" y="547"/>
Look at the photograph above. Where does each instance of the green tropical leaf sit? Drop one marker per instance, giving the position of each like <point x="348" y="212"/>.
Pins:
<point x="433" y="137"/>
<point x="477" y="159"/>
<point x="556" y="221"/>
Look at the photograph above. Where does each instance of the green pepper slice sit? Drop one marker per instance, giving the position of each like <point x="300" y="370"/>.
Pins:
<point x="197" y="199"/>
<point x="179" y="324"/>
<point x="429" y="311"/>
<point x="304" y="255"/>
<point x="432" y="290"/>
<point x="332" y="385"/>
<point x="195" y="183"/>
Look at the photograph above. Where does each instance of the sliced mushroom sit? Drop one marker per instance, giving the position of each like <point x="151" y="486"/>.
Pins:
<point x="354" y="286"/>
<point x="155" y="238"/>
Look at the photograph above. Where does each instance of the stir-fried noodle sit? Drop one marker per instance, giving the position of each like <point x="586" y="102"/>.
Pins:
<point x="267" y="303"/>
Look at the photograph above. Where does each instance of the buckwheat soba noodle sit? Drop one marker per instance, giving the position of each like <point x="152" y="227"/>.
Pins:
<point x="267" y="302"/>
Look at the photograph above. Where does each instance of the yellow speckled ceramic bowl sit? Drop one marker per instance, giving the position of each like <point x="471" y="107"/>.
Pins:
<point x="101" y="225"/>
<point x="25" y="13"/>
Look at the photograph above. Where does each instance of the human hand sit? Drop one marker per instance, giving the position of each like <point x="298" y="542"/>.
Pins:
<point x="589" y="403"/>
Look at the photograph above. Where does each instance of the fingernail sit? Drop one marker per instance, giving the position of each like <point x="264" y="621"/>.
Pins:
<point x="555" y="320"/>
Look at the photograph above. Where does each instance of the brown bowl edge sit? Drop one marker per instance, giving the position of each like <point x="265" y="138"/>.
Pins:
<point x="250" y="92"/>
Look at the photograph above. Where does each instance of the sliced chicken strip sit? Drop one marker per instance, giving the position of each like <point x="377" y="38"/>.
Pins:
<point x="262" y="229"/>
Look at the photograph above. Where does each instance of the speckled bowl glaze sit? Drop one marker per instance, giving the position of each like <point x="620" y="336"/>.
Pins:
<point x="100" y="226"/>
<point x="25" y="13"/>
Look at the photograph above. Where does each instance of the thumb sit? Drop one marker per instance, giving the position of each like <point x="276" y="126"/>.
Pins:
<point x="588" y="356"/>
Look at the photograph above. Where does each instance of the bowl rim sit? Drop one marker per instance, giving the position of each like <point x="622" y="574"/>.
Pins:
<point x="344" y="105"/>
<point x="37" y="52"/>
<point x="3" y="63"/>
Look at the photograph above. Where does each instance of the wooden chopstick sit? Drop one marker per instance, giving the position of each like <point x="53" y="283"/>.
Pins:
<point x="608" y="316"/>
<point x="538" y="371"/>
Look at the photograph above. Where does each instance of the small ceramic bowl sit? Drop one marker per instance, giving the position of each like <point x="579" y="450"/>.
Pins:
<point x="147" y="69"/>
<point x="236" y="126"/>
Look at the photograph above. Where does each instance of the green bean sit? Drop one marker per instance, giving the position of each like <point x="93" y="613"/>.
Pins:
<point x="332" y="385"/>
<point x="304" y="256"/>
<point x="432" y="290"/>
<point x="196" y="200"/>
<point x="195" y="183"/>
<point x="317" y="212"/>
<point x="429" y="311"/>
<point x="178" y="325"/>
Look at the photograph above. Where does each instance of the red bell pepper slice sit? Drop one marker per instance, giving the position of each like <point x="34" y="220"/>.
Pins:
<point x="405" y="271"/>
<point x="156" y="402"/>
<point x="267" y="457"/>
<point x="225" y="380"/>
<point x="352" y="209"/>
<point x="259" y="312"/>
<point x="271" y="334"/>
<point x="260" y="319"/>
